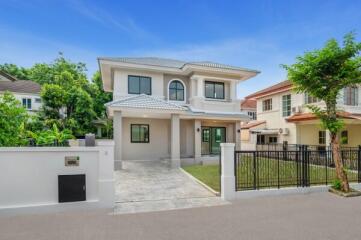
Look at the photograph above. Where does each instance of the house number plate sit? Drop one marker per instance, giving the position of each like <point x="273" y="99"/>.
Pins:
<point x="72" y="161"/>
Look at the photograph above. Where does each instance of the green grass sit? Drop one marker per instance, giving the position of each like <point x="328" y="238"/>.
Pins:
<point x="267" y="174"/>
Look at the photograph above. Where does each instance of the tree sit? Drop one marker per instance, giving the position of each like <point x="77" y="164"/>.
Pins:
<point x="323" y="74"/>
<point x="13" y="118"/>
<point x="15" y="71"/>
<point x="100" y="97"/>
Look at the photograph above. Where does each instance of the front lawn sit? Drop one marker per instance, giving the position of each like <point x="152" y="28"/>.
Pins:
<point x="267" y="175"/>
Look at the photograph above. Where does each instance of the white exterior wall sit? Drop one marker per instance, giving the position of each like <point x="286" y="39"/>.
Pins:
<point x="159" y="140"/>
<point x="34" y="105"/>
<point x="121" y="82"/>
<point x="29" y="177"/>
<point x="274" y="118"/>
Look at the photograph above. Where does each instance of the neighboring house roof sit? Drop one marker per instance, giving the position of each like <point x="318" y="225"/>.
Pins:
<point x="20" y="86"/>
<point x="252" y="124"/>
<point x="311" y="116"/>
<point x="8" y="76"/>
<point x="146" y="102"/>
<point x="249" y="103"/>
<point x="172" y="63"/>
<point x="279" y="87"/>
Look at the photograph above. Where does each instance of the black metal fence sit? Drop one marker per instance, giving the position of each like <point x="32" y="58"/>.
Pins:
<point x="285" y="168"/>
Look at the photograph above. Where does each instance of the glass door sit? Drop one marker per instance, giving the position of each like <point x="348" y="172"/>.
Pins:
<point x="217" y="136"/>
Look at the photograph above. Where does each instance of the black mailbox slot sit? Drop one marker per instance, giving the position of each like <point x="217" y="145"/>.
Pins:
<point x="71" y="188"/>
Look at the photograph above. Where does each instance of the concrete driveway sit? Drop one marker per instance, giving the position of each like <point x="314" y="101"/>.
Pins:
<point x="312" y="216"/>
<point x="144" y="186"/>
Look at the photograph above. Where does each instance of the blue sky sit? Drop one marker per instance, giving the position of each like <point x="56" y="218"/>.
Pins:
<point x="254" y="34"/>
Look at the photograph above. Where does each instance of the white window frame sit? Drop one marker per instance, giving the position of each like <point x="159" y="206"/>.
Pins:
<point x="288" y="112"/>
<point x="263" y="105"/>
<point x="185" y="91"/>
<point x="26" y="105"/>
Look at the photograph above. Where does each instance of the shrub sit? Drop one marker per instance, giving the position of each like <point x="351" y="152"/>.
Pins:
<point x="337" y="184"/>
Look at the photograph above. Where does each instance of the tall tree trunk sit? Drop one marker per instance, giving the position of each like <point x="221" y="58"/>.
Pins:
<point x="336" y="153"/>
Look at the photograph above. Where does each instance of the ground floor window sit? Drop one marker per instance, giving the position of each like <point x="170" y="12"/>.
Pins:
<point x="139" y="133"/>
<point x="322" y="137"/>
<point x="27" y="103"/>
<point x="344" y="137"/>
<point x="261" y="139"/>
<point x="272" y="140"/>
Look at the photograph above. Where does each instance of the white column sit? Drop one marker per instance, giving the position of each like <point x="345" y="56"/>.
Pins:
<point x="233" y="90"/>
<point x="175" y="140"/>
<point x="237" y="134"/>
<point x="197" y="140"/>
<point x="228" y="185"/>
<point x="200" y="87"/>
<point x="117" y="133"/>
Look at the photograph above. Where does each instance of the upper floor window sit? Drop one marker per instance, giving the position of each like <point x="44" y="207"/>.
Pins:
<point x="253" y="115"/>
<point x="310" y="99"/>
<point x="214" y="90"/>
<point x="139" y="85"/>
<point x="286" y="105"/>
<point x="350" y="96"/>
<point x="267" y="105"/>
<point x="38" y="100"/>
<point x="27" y="103"/>
<point x="176" y="91"/>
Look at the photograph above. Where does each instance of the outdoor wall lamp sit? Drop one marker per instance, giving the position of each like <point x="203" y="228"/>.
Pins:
<point x="238" y="130"/>
<point x="198" y="129"/>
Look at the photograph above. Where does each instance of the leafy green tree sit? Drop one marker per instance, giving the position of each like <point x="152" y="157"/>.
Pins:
<point x="13" y="118"/>
<point x="15" y="71"/>
<point x="100" y="97"/>
<point x="323" y="74"/>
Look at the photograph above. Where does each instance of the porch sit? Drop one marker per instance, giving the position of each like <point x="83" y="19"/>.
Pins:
<point x="174" y="138"/>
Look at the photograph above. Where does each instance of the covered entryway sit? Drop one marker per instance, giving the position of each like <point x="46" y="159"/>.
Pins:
<point x="144" y="186"/>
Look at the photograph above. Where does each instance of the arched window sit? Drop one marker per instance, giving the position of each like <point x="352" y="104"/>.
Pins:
<point x="176" y="91"/>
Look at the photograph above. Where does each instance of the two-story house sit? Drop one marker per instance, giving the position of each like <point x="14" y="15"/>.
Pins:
<point x="283" y="115"/>
<point x="26" y="91"/>
<point x="170" y="109"/>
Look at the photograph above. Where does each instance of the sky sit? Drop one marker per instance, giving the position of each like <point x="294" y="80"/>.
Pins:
<point x="259" y="35"/>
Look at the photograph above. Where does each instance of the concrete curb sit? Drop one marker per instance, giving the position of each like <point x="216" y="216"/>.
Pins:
<point x="200" y="182"/>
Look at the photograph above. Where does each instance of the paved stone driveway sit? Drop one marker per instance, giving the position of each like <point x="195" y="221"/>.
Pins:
<point x="144" y="186"/>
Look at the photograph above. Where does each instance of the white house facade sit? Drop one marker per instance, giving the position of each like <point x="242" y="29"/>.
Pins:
<point x="170" y="109"/>
<point x="283" y="116"/>
<point x="27" y="92"/>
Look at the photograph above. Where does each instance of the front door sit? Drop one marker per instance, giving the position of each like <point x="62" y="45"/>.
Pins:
<point x="212" y="137"/>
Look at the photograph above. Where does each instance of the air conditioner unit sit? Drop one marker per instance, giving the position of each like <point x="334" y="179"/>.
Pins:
<point x="297" y="109"/>
<point x="284" y="131"/>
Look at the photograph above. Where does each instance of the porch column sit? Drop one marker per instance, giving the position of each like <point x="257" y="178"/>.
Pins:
<point x="175" y="141"/>
<point x="197" y="140"/>
<point x="237" y="134"/>
<point x="117" y="132"/>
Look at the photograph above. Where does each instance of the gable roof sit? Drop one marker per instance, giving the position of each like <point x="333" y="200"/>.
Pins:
<point x="279" y="87"/>
<point x="172" y="63"/>
<point x="144" y="101"/>
<point x="249" y="103"/>
<point x="7" y="76"/>
<point x="252" y="124"/>
<point x="20" y="86"/>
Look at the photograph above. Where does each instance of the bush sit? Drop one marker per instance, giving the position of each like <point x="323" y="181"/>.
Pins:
<point x="337" y="184"/>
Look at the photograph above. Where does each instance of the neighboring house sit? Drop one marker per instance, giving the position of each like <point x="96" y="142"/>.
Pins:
<point x="27" y="92"/>
<point x="282" y="115"/>
<point x="249" y="105"/>
<point x="170" y="109"/>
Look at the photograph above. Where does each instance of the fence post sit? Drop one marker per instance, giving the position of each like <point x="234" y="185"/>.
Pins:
<point x="228" y="180"/>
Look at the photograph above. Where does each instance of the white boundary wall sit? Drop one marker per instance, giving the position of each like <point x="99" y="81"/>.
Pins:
<point x="228" y="188"/>
<point x="29" y="177"/>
